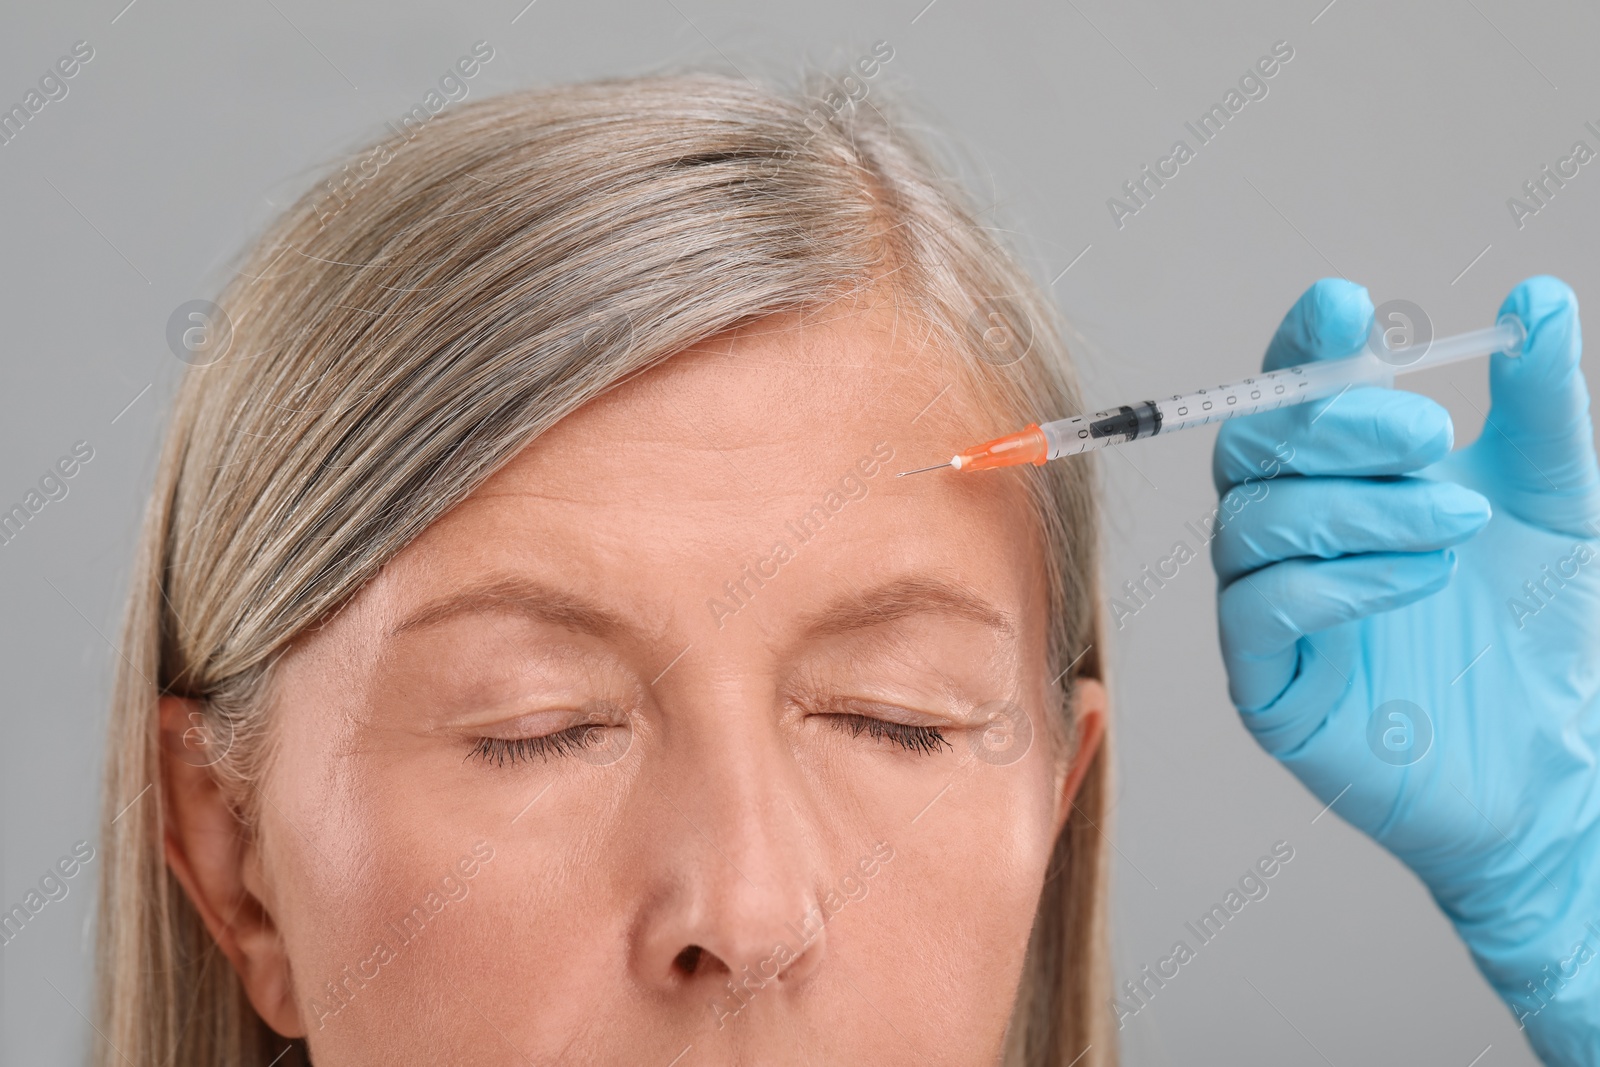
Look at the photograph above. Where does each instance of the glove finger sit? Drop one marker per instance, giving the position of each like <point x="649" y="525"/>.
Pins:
<point x="1363" y="432"/>
<point x="1536" y="456"/>
<point x="1331" y="319"/>
<point x="1264" y="617"/>
<point x="1331" y="517"/>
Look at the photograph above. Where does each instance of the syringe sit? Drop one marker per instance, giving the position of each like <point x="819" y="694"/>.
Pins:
<point x="1377" y="364"/>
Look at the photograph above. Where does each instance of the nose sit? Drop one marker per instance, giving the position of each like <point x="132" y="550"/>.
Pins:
<point x="730" y="868"/>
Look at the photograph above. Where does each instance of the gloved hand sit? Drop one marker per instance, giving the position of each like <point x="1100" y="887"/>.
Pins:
<point x="1415" y="634"/>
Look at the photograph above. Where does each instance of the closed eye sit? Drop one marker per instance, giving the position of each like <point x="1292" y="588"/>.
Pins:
<point x="923" y="739"/>
<point x="500" y="751"/>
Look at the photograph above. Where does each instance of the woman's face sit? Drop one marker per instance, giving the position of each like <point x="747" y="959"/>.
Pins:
<point x="694" y="736"/>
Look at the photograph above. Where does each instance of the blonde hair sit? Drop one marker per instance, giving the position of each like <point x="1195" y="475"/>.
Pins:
<point x="517" y="258"/>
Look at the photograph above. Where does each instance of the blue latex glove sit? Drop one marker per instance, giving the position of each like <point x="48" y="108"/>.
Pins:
<point x="1370" y="571"/>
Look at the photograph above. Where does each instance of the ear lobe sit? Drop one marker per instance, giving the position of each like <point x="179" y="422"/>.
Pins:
<point x="1091" y="707"/>
<point x="212" y="856"/>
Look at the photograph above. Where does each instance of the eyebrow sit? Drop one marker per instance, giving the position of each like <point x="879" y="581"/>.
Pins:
<point x="517" y="596"/>
<point x="906" y="598"/>
<point x="892" y="601"/>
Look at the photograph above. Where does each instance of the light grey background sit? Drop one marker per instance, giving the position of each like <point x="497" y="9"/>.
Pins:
<point x="1385" y="150"/>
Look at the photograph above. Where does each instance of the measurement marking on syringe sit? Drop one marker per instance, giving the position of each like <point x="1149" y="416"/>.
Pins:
<point x="1313" y="381"/>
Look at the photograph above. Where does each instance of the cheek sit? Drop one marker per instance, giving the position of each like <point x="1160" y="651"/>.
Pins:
<point x="385" y="962"/>
<point x="359" y="834"/>
<point x="974" y="863"/>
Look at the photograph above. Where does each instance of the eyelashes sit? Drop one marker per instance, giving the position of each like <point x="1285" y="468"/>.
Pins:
<point x="501" y="751"/>
<point x="919" y="739"/>
<point x="922" y="740"/>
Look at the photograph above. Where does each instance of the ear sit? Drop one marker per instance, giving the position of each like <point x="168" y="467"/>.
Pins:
<point x="1090" y="705"/>
<point x="216" y="861"/>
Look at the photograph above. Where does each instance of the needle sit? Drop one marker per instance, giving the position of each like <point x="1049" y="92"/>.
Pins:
<point x="919" y="470"/>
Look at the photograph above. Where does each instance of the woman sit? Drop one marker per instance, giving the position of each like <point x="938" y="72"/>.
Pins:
<point x="541" y="662"/>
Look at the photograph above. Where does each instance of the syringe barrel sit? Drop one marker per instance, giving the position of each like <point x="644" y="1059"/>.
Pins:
<point x="1263" y="392"/>
<point x="1272" y="389"/>
<point x="1130" y="422"/>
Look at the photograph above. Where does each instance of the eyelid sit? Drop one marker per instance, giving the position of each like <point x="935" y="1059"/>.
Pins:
<point x="547" y="734"/>
<point x="925" y="740"/>
<point x="903" y="714"/>
<point x="533" y="724"/>
<point x="559" y="744"/>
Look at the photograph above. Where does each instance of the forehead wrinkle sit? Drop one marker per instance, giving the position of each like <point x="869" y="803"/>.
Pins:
<point x="511" y="594"/>
<point x="906" y="598"/>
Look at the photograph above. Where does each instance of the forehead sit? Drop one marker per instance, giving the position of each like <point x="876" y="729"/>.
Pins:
<point x="787" y="432"/>
<point x="786" y="398"/>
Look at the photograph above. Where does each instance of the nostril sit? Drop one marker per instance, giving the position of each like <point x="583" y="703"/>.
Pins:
<point x="688" y="961"/>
